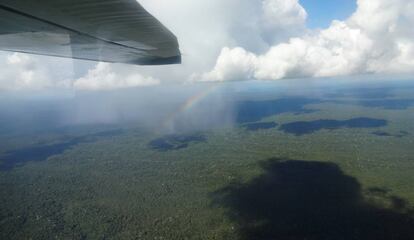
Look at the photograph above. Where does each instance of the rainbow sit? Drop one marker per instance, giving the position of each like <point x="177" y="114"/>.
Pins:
<point x="188" y="105"/>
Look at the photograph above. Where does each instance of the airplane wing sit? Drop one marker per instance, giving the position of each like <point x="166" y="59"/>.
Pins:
<point x="100" y="30"/>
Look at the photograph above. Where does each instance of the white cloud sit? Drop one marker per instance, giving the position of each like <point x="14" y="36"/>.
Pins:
<point x="20" y="71"/>
<point x="377" y="38"/>
<point x="282" y="13"/>
<point x="233" y="64"/>
<point x="103" y="77"/>
<point x="282" y="17"/>
<point x="34" y="73"/>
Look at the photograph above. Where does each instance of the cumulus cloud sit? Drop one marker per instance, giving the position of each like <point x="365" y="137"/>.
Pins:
<point x="19" y="71"/>
<point x="282" y="18"/>
<point x="233" y="64"/>
<point x="377" y="38"/>
<point x="29" y="72"/>
<point x="103" y="77"/>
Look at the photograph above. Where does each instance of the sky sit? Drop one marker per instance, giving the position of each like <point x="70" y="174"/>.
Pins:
<point x="236" y="40"/>
<point x="322" y="12"/>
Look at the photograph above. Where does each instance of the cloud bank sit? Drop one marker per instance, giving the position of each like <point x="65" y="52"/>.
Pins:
<point x="241" y="40"/>
<point x="102" y="77"/>
<point x="377" y="38"/>
<point x="20" y="71"/>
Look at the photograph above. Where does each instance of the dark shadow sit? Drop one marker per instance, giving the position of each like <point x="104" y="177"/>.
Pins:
<point x="40" y="153"/>
<point x="253" y="111"/>
<point x="297" y="200"/>
<point x="308" y="127"/>
<point x="400" y="134"/>
<point x="259" y="126"/>
<point x="175" y="142"/>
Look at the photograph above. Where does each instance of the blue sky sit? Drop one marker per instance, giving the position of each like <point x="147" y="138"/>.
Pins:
<point x="322" y="12"/>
